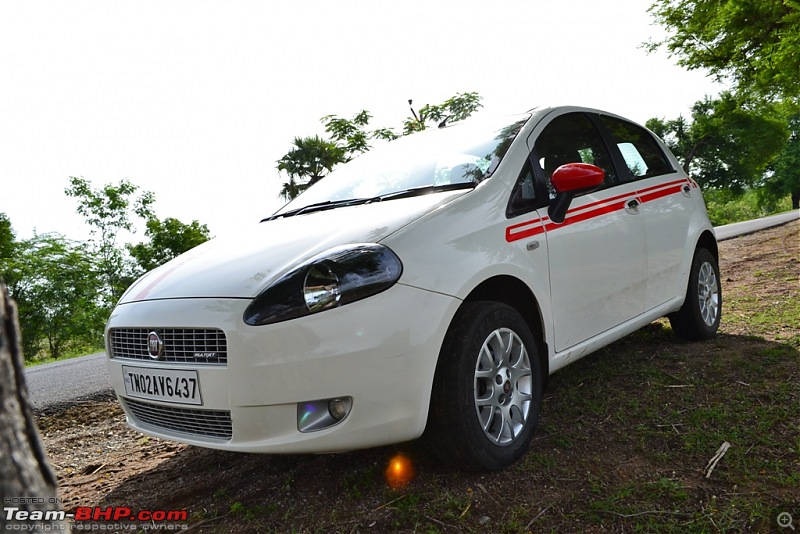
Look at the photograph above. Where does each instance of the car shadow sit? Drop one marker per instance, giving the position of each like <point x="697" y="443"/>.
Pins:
<point x="641" y="399"/>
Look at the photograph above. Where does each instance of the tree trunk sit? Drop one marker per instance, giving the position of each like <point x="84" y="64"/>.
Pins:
<point x="27" y="483"/>
<point x="796" y="198"/>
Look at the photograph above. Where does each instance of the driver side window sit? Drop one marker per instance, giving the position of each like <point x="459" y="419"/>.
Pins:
<point x="572" y="138"/>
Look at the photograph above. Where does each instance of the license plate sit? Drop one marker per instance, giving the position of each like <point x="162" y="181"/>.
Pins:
<point x="172" y="385"/>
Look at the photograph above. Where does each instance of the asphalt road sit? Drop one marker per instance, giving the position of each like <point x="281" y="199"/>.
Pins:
<point x="68" y="381"/>
<point x="729" y="231"/>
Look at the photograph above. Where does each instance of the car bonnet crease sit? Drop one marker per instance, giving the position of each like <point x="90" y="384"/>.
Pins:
<point x="242" y="265"/>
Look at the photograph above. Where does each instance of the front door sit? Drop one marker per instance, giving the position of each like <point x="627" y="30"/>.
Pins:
<point x="597" y="256"/>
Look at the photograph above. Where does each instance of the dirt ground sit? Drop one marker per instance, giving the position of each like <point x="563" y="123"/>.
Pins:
<point x="101" y="462"/>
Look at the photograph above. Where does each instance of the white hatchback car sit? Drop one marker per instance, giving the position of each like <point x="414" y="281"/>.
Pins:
<point x="433" y="282"/>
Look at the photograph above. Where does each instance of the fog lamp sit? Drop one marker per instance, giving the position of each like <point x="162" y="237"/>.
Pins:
<point x="338" y="408"/>
<point x="323" y="413"/>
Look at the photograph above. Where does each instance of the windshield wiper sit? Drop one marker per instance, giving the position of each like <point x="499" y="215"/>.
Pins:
<point x="319" y="206"/>
<point x="424" y="190"/>
<point x="405" y="193"/>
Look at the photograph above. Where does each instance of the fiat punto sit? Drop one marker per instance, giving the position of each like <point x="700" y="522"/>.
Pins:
<point x="430" y="285"/>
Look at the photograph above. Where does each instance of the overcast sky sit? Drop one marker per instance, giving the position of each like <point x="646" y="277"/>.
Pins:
<point x="196" y="101"/>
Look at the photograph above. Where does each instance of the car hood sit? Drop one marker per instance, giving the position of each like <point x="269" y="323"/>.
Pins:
<point x="241" y="266"/>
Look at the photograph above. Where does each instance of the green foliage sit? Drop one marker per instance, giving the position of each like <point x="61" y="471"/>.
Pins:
<point x="455" y="108"/>
<point x="167" y="239"/>
<point x="6" y="237"/>
<point x="108" y="211"/>
<point x="753" y="43"/>
<point x="349" y="135"/>
<point x="352" y="134"/>
<point x="784" y="178"/>
<point x="109" y="208"/>
<point x="736" y="141"/>
<point x="56" y="287"/>
<point x="312" y="158"/>
<point x="64" y="289"/>
<point x="7" y="247"/>
<point x="725" y="207"/>
<point x="729" y="142"/>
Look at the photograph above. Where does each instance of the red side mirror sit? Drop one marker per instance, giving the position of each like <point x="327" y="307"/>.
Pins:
<point x="576" y="176"/>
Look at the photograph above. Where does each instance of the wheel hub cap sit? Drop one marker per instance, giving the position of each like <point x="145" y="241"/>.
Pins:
<point x="708" y="293"/>
<point x="503" y="386"/>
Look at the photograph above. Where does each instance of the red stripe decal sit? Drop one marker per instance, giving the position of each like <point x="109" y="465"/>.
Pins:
<point x="597" y="203"/>
<point x="594" y="209"/>
<point x="659" y="194"/>
<point x="530" y="228"/>
<point x="668" y="184"/>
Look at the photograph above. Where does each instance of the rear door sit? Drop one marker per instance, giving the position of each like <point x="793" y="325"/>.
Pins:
<point x="597" y="256"/>
<point x="666" y="203"/>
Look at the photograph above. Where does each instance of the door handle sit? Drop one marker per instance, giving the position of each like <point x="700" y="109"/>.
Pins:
<point x="632" y="206"/>
<point x="687" y="191"/>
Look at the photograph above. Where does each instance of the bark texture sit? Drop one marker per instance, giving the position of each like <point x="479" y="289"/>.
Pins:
<point x="26" y="480"/>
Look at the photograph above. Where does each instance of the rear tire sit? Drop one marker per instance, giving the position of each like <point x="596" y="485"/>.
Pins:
<point x="700" y="314"/>
<point x="487" y="389"/>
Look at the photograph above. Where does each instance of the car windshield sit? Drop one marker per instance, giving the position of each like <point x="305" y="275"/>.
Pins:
<point x="457" y="155"/>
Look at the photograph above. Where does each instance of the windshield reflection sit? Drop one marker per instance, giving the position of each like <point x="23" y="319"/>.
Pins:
<point x="461" y="153"/>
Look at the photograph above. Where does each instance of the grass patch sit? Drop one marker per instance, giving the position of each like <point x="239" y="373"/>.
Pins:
<point x="725" y="208"/>
<point x="779" y="317"/>
<point x="623" y="443"/>
<point x="72" y="353"/>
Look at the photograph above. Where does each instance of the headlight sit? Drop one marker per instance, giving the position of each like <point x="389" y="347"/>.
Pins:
<point x="334" y="278"/>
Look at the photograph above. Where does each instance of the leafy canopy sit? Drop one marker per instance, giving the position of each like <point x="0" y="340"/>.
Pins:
<point x="783" y="177"/>
<point x="455" y="108"/>
<point x="728" y="143"/>
<point x="56" y="287"/>
<point x="753" y="43"/>
<point x="167" y="240"/>
<point x="311" y="158"/>
<point x="109" y="210"/>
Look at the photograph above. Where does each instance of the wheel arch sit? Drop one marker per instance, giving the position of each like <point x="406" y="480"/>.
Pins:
<point x="708" y="242"/>
<point x="515" y="293"/>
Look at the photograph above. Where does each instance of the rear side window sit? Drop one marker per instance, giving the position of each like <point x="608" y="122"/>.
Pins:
<point x="639" y="149"/>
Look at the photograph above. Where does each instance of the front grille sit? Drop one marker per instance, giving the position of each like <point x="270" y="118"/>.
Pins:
<point x="201" y="423"/>
<point x="181" y="345"/>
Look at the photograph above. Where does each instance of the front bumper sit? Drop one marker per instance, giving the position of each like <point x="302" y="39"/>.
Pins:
<point x="380" y="351"/>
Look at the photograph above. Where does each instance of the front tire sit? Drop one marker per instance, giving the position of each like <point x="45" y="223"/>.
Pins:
<point x="700" y="314"/>
<point x="487" y="390"/>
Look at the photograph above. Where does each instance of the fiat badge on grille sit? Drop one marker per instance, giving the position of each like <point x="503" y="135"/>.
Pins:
<point x="154" y="345"/>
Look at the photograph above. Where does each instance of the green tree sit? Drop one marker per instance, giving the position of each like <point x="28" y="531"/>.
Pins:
<point x="108" y="211"/>
<point x="7" y="245"/>
<point x="455" y="108"/>
<point x="167" y="239"/>
<point x="56" y="288"/>
<point x="784" y="178"/>
<point x="753" y="43"/>
<point x="312" y="158"/>
<point x="6" y="237"/>
<point x="352" y="134"/>
<point x="728" y="143"/>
